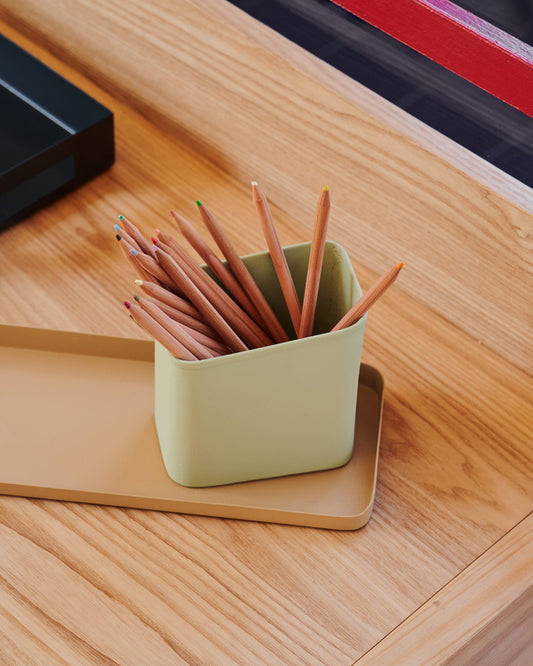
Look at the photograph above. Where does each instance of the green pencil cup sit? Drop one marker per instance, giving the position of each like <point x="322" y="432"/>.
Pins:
<point x="284" y="409"/>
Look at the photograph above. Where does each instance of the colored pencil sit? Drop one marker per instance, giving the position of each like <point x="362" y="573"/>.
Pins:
<point x="146" y="322"/>
<point x="126" y="249"/>
<point x="273" y="327"/>
<point x="245" y="327"/>
<point x="219" y="269"/>
<point x="197" y="313"/>
<point x="129" y="239"/>
<point x="210" y="314"/>
<point x="368" y="299"/>
<point x="175" y="329"/>
<point x="134" y="232"/>
<point x="314" y="269"/>
<point x="198" y="329"/>
<point x="197" y="325"/>
<point x="151" y="266"/>
<point x="164" y="295"/>
<point x="278" y="257"/>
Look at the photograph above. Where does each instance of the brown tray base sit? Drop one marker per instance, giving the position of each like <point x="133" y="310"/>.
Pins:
<point x="76" y="424"/>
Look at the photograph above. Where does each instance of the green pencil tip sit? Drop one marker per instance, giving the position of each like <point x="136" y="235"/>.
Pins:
<point x="198" y="202"/>
<point x="121" y="217"/>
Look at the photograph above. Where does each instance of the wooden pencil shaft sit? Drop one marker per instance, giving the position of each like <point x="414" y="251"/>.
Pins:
<point x="214" y="345"/>
<point x="278" y="257"/>
<point x="222" y="272"/>
<point x="316" y="256"/>
<point x="369" y="298"/>
<point x="135" y="233"/>
<point x="245" y="327"/>
<point x="175" y="329"/>
<point x="126" y="248"/>
<point x="199" y="330"/>
<point x="186" y="320"/>
<point x="273" y="326"/>
<point x="172" y="300"/>
<point x="151" y="266"/>
<point x="209" y="312"/>
<point x="129" y="239"/>
<point x="145" y="321"/>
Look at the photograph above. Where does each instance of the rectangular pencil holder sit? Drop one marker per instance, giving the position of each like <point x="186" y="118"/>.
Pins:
<point x="284" y="409"/>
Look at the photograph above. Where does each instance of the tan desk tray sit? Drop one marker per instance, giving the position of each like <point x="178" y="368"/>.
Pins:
<point x="76" y="424"/>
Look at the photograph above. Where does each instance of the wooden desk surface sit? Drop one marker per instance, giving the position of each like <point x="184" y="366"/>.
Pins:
<point x="205" y="101"/>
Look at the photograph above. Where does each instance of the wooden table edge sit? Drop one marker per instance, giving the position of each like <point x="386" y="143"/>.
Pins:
<point x="483" y="615"/>
<point x="367" y="100"/>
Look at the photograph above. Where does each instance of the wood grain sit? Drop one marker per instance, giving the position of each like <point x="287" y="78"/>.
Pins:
<point x="89" y="584"/>
<point x="216" y="88"/>
<point x="485" y="615"/>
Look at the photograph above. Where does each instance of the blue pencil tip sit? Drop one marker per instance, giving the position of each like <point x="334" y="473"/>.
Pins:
<point x="116" y="227"/>
<point x="134" y="252"/>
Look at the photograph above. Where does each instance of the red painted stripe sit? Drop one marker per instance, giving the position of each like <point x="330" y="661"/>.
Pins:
<point x="440" y="36"/>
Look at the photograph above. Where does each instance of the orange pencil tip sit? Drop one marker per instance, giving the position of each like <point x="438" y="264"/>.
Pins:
<point x="400" y="265"/>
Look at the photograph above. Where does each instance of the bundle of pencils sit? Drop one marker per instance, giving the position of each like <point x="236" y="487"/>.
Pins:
<point x="195" y="317"/>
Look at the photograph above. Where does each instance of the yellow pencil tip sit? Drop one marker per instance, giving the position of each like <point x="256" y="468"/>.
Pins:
<point x="326" y="188"/>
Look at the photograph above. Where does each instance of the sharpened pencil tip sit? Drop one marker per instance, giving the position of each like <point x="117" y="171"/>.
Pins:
<point x="326" y="188"/>
<point x="118" y="237"/>
<point x="116" y="227"/>
<point x="257" y="195"/>
<point x="127" y="304"/>
<point x="134" y="252"/>
<point x="154" y="240"/>
<point x="139" y="282"/>
<point x="157" y="232"/>
<point x="400" y="265"/>
<point x="198" y="202"/>
<point x="121" y="217"/>
<point x="137" y="297"/>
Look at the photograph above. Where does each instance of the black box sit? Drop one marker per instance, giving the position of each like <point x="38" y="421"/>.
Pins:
<point x="53" y="136"/>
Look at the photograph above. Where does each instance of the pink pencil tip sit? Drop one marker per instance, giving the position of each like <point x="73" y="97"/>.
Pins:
<point x="127" y="304"/>
<point x="157" y="232"/>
